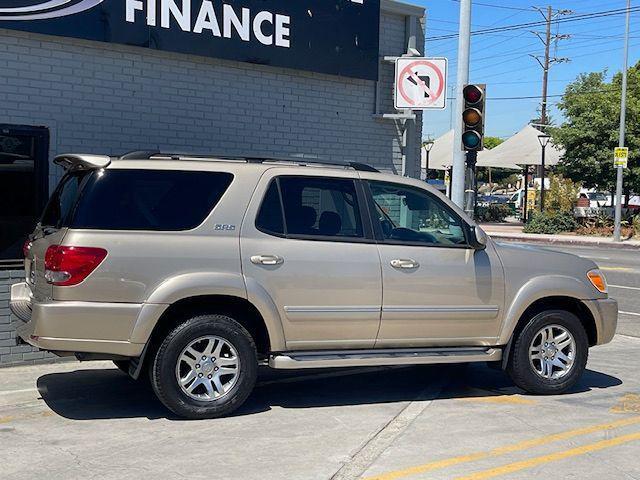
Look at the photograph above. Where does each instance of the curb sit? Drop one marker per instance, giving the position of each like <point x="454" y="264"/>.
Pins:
<point x="563" y="241"/>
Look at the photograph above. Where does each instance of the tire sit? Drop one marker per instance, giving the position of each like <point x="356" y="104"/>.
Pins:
<point x="201" y="397"/>
<point x="123" y="366"/>
<point x="531" y="374"/>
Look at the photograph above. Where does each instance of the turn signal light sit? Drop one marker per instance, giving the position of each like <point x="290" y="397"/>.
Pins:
<point x="67" y="266"/>
<point x="597" y="280"/>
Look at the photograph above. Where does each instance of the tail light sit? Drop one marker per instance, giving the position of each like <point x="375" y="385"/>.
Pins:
<point x="66" y="266"/>
<point x="26" y="246"/>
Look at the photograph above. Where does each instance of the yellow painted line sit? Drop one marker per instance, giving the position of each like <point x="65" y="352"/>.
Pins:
<point x="617" y="269"/>
<point x="630" y="403"/>
<point x="516" y="447"/>
<point x="500" y="399"/>
<point x="553" y="457"/>
<point x="12" y="418"/>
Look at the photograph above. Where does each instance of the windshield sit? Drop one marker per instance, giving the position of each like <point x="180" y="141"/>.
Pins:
<point x="599" y="197"/>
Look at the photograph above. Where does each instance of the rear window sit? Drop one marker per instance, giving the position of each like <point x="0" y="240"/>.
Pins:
<point x="63" y="199"/>
<point x="166" y="200"/>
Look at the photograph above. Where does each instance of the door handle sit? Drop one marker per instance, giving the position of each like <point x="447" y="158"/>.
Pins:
<point x="267" y="259"/>
<point x="404" y="263"/>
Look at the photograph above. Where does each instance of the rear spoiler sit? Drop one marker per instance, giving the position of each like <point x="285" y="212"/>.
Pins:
<point x="73" y="161"/>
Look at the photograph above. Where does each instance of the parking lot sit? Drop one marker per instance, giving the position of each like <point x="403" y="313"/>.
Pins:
<point x="88" y="420"/>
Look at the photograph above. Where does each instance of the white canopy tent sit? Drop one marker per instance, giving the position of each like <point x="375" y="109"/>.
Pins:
<point x="523" y="148"/>
<point x="440" y="156"/>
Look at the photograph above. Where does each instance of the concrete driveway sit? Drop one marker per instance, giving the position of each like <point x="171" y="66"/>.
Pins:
<point x="88" y="420"/>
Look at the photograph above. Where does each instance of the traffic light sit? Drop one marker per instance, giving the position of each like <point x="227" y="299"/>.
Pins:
<point x="473" y="117"/>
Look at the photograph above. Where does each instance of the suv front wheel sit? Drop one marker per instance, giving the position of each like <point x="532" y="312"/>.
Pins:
<point x="206" y="367"/>
<point x="550" y="353"/>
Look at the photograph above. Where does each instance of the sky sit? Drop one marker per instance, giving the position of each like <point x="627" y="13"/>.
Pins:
<point x="502" y="60"/>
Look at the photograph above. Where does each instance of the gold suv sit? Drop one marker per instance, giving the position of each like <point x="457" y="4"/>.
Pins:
<point x="194" y="270"/>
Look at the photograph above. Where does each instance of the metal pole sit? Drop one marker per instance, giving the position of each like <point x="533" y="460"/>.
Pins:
<point x="542" y="171"/>
<point x="462" y="78"/>
<point x="545" y="73"/>
<point x="470" y="187"/>
<point x="526" y="191"/>
<point x="623" y="107"/>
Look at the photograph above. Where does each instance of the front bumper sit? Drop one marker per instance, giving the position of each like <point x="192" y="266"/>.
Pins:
<point x="91" y="327"/>
<point x="605" y="314"/>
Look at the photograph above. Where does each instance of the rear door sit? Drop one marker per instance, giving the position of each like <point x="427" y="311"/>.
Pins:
<point x="306" y="243"/>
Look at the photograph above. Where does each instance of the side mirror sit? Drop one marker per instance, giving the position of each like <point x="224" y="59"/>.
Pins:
<point x="478" y="239"/>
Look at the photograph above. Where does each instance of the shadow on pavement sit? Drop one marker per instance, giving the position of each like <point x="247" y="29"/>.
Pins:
<point x="106" y="394"/>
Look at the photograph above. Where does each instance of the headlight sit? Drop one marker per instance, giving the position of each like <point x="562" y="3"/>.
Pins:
<point x="596" y="277"/>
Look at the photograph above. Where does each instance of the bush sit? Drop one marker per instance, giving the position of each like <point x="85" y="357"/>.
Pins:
<point x="551" y="222"/>
<point x="495" y="212"/>
<point x="562" y="194"/>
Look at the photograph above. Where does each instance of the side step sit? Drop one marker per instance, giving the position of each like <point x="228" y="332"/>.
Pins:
<point x="380" y="357"/>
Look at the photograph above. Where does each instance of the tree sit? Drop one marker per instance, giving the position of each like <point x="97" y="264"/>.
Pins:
<point x="492" y="142"/>
<point x="591" y="106"/>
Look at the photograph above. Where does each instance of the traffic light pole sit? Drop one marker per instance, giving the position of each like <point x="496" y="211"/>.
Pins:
<point x="623" y="108"/>
<point x="470" y="184"/>
<point x="462" y="77"/>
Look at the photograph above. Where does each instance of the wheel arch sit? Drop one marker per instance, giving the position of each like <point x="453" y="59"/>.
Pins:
<point x="555" y="302"/>
<point x="240" y="309"/>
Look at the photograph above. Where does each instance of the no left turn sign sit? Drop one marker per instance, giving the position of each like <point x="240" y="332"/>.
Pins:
<point x="421" y="83"/>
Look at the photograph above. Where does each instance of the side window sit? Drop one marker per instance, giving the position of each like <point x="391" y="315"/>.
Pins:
<point x="269" y="219"/>
<point x="323" y="207"/>
<point x="410" y="215"/>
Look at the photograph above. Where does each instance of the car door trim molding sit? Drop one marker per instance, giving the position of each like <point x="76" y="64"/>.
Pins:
<point x="444" y="308"/>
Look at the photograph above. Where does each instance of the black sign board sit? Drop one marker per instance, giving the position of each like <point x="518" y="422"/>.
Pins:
<point x="329" y="36"/>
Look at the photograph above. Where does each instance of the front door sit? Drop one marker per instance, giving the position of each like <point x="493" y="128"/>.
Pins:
<point x="438" y="291"/>
<point x="306" y="243"/>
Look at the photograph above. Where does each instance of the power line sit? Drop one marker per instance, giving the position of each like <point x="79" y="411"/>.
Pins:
<point x="575" y="18"/>
<point x="506" y="7"/>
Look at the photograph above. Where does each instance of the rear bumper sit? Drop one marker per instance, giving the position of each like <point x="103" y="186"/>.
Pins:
<point x="91" y="327"/>
<point x="605" y="314"/>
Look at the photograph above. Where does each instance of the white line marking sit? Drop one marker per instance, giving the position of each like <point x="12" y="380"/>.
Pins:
<point x="11" y="392"/>
<point x="624" y="286"/>
<point x="630" y="313"/>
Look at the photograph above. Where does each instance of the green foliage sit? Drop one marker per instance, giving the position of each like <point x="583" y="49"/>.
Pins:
<point x="499" y="176"/>
<point x="492" y="142"/>
<point x="591" y="106"/>
<point x="495" y="212"/>
<point x="551" y="222"/>
<point x="635" y="225"/>
<point x="562" y="194"/>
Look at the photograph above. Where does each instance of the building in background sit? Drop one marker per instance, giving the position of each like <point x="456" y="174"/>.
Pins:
<point x="250" y="77"/>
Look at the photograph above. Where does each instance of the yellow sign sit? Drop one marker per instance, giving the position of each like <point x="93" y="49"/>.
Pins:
<point x="531" y="199"/>
<point x="620" y="157"/>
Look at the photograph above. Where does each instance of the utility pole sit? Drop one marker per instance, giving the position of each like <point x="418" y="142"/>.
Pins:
<point x="623" y="108"/>
<point x="462" y="78"/>
<point x="547" y="39"/>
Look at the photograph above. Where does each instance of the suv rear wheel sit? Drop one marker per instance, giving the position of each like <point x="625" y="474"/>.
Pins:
<point x="206" y="367"/>
<point x="550" y="353"/>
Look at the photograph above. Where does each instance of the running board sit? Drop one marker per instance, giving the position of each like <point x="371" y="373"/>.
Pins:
<point x="381" y="357"/>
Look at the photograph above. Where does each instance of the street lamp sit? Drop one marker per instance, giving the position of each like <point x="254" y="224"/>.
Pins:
<point x="544" y="141"/>
<point x="428" y="145"/>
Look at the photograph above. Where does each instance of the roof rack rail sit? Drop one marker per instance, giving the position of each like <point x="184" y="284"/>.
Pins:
<point x="300" y="160"/>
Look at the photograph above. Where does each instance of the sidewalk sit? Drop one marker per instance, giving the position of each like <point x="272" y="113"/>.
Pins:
<point x="513" y="232"/>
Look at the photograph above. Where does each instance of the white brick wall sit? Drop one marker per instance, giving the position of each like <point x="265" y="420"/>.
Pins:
<point x="107" y="98"/>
